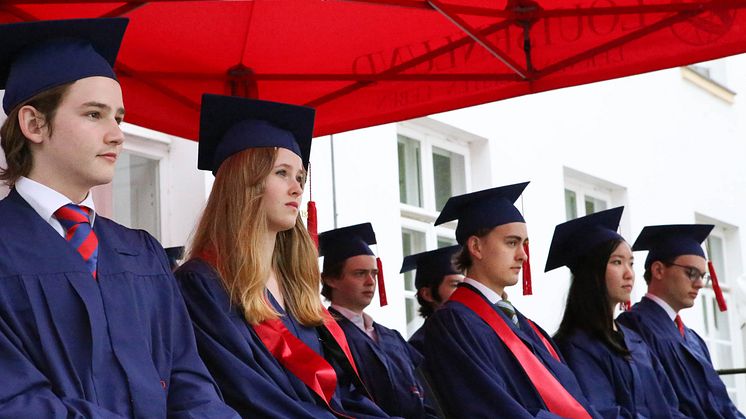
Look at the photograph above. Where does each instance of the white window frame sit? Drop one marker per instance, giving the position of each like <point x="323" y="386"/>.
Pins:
<point x="429" y="138"/>
<point x="728" y="234"/>
<point x="430" y="133"/>
<point x="155" y="146"/>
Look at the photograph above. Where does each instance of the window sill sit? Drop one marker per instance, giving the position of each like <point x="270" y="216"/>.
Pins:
<point x="710" y="86"/>
<point x="421" y="214"/>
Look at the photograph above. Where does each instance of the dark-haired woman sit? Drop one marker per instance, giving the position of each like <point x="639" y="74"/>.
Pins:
<point x="616" y="370"/>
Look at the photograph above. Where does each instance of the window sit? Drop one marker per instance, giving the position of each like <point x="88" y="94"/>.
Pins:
<point x="412" y="242"/>
<point x="586" y="195"/>
<point x="433" y="166"/>
<point x="410" y="177"/>
<point x="722" y="330"/>
<point x="448" y="175"/>
<point x="135" y="193"/>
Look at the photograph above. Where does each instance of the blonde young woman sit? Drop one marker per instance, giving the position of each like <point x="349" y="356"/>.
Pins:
<point x="251" y="283"/>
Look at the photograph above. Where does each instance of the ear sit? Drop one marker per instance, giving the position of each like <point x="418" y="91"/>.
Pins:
<point x="32" y="124"/>
<point x="329" y="282"/>
<point x="426" y="295"/>
<point x="474" y="245"/>
<point x="656" y="271"/>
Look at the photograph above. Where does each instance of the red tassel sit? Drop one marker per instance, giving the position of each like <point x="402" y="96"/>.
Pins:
<point x="716" y="287"/>
<point x="527" y="271"/>
<point x="381" y="284"/>
<point x="312" y="223"/>
<point x="626" y="306"/>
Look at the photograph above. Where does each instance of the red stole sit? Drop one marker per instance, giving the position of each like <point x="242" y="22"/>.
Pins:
<point x="554" y="395"/>
<point x="302" y="361"/>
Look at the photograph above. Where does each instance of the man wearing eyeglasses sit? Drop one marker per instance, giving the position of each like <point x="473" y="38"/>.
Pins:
<point x="675" y="271"/>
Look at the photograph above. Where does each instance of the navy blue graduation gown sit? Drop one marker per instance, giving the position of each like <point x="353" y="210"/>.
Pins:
<point x="252" y="381"/>
<point x="75" y="347"/>
<point x="686" y="361"/>
<point x="619" y="387"/>
<point x="476" y="375"/>
<point x="387" y="368"/>
<point x="417" y="340"/>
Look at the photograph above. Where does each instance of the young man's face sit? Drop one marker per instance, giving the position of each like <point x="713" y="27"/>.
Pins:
<point x="355" y="287"/>
<point x="85" y="140"/>
<point x="675" y="287"/>
<point x="501" y="255"/>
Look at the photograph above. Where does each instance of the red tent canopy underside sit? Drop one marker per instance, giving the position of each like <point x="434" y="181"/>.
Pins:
<point x="372" y="62"/>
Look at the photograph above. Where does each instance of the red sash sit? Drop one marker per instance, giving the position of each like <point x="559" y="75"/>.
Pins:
<point x="302" y="361"/>
<point x="554" y="395"/>
<point x="544" y="340"/>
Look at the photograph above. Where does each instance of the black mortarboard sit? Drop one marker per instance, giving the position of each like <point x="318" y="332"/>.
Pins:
<point x="37" y="56"/>
<point x="576" y="238"/>
<point x="483" y="209"/>
<point x="665" y="242"/>
<point x="342" y="243"/>
<point x="431" y="266"/>
<point x="230" y="124"/>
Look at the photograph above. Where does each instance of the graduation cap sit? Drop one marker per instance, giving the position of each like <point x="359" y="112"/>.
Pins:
<point x="431" y="266"/>
<point x="487" y="209"/>
<point x="666" y="242"/>
<point x="342" y="243"/>
<point x="37" y="56"/>
<point x="483" y="209"/>
<point x="230" y="124"/>
<point x="576" y="238"/>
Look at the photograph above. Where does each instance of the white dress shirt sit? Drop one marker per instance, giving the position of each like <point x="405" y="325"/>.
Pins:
<point x="45" y="201"/>
<point x="491" y="296"/>
<point x="363" y="321"/>
<point x="664" y="305"/>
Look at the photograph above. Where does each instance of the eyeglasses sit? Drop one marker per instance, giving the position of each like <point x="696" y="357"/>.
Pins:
<point x="693" y="273"/>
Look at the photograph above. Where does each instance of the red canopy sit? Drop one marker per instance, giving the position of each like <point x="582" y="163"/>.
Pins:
<point x="370" y="62"/>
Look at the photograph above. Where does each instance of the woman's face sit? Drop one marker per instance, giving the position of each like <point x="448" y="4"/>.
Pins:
<point x="620" y="277"/>
<point x="283" y="189"/>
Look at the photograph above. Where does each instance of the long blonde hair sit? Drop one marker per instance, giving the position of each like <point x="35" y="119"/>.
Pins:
<point x="232" y="230"/>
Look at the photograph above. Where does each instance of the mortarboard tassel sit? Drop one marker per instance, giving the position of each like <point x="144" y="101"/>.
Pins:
<point x="381" y="284"/>
<point x="716" y="287"/>
<point x="312" y="222"/>
<point x="527" y="271"/>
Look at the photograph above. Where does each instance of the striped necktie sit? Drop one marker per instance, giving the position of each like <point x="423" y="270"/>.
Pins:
<point x="75" y="219"/>
<point x="679" y="325"/>
<point x="508" y="309"/>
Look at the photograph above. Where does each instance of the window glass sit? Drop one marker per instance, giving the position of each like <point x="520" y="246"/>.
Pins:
<point x="135" y="193"/>
<point x="410" y="177"/>
<point x="448" y="175"/>
<point x="571" y="204"/>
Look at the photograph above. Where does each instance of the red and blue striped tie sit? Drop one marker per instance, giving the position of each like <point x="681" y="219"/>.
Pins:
<point x="76" y="221"/>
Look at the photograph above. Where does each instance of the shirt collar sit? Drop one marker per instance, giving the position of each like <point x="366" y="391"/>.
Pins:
<point x="362" y="320"/>
<point x="45" y="200"/>
<point x="664" y="305"/>
<point x="490" y="295"/>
